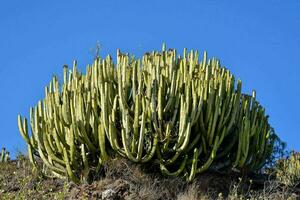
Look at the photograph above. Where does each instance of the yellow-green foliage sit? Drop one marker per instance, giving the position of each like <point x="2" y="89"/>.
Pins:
<point x="187" y="114"/>
<point x="4" y="156"/>
<point x="288" y="170"/>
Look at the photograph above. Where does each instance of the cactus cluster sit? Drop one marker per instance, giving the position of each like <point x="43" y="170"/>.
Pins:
<point x="187" y="114"/>
<point x="4" y="157"/>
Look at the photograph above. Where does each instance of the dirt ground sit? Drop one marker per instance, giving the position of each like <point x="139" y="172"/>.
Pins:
<point x="120" y="179"/>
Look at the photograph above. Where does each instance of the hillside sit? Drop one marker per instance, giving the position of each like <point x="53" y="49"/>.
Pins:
<point x="120" y="179"/>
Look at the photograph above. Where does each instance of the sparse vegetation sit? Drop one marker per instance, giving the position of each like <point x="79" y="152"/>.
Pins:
<point x="122" y="179"/>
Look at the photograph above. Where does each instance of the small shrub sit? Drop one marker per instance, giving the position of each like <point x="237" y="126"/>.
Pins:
<point x="288" y="170"/>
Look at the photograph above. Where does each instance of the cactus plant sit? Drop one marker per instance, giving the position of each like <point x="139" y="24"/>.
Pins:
<point x="189" y="115"/>
<point x="288" y="170"/>
<point x="4" y="157"/>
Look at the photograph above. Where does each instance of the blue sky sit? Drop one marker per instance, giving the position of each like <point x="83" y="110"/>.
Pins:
<point x="259" y="41"/>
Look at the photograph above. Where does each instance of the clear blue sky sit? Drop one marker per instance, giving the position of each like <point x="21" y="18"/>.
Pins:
<point x="258" y="41"/>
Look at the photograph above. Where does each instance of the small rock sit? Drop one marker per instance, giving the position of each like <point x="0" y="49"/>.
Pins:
<point x="108" y="194"/>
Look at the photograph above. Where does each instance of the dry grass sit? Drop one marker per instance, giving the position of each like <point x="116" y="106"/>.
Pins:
<point x="192" y="193"/>
<point x="121" y="179"/>
<point x="18" y="181"/>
